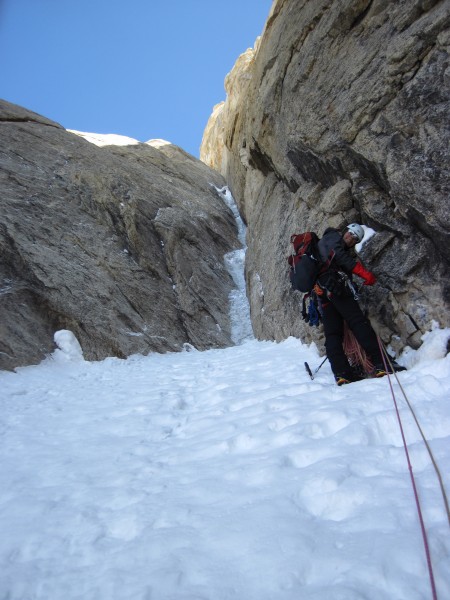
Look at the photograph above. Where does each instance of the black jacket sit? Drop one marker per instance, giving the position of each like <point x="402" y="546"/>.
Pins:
<point x="332" y="241"/>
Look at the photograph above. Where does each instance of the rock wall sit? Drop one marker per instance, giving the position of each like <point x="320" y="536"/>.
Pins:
<point x="123" y="245"/>
<point x="341" y="113"/>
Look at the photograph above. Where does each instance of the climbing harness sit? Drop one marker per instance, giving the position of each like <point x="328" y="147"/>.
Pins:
<point x="336" y="283"/>
<point x="386" y="361"/>
<point x="352" y="288"/>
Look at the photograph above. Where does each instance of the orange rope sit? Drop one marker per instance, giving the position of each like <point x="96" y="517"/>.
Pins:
<point x="355" y="354"/>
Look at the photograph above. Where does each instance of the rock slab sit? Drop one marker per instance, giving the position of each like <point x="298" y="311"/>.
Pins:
<point x="122" y="245"/>
<point x="341" y="113"/>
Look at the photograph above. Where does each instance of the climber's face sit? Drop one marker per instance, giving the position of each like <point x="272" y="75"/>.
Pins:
<point x="350" y="239"/>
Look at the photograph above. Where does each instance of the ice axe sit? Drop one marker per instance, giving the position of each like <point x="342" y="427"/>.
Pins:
<point x="308" y="368"/>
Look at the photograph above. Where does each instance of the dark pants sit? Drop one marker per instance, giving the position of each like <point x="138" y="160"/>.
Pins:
<point x="335" y="311"/>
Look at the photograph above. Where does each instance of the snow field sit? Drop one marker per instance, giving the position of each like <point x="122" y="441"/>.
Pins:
<point x="220" y="475"/>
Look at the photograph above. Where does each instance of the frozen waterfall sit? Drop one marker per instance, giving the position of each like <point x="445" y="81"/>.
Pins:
<point x="241" y="327"/>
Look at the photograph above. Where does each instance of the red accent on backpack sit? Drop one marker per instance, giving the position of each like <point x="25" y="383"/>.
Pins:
<point x="303" y="243"/>
<point x="305" y="263"/>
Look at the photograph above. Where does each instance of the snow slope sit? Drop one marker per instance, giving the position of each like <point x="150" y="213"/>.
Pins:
<point x="220" y="475"/>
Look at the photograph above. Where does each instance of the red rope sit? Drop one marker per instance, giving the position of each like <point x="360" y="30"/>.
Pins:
<point x="354" y="352"/>
<point x="416" y="495"/>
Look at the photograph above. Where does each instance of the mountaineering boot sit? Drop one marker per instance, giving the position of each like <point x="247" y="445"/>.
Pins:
<point x="392" y="367"/>
<point x="380" y="370"/>
<point x="397" y="367"/>
<point x="348" y="377"/>
<point x="340" y="380"/>
<point x="356" y="374"/>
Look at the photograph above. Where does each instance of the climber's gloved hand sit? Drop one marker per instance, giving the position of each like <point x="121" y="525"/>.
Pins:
<point x="369" y="278"/>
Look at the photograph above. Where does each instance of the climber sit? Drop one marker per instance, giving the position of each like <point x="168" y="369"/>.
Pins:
<point x="337" y="303"/>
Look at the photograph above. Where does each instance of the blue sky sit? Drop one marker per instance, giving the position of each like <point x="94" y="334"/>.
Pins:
<point x="141" y="68"/>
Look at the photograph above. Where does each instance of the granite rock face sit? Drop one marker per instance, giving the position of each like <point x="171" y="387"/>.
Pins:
<point x="122" y="245"/>
<point x="341" y="113"/>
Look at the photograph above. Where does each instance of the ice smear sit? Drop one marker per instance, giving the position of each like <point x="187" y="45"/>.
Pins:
<point x="241" y="327"/>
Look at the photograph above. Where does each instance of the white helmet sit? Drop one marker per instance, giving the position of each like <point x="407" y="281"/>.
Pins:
<point x="357" y="230"/>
